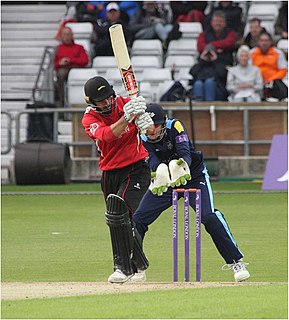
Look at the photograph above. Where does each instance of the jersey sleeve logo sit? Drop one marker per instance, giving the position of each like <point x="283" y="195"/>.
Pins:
<point x="93" y="127"/>
<point x="179" y="127"/>
<point x="182" y="138"/>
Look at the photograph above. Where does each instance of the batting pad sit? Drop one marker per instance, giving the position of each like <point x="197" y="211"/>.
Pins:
<point x="118" y="220"/>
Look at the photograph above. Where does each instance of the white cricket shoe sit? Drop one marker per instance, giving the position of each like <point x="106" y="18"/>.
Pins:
<point x="118" y="277"/>
<point x="139" y="276"/>
<point x="240" y="271"/>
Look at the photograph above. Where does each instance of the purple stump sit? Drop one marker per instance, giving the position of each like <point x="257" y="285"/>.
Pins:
<point x="198" y="235"/>
<point x="175" y="235"/>
<point x="187" y="234"/>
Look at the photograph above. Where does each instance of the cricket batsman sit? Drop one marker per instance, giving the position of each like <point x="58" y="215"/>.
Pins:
<point x="113" y="123"/>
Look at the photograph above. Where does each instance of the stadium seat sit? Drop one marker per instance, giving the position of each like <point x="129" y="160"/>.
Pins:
<point x="263" y="11"/>
<point x="155" y="79"/>
<point x="152" y="47"/>
<point x="183" y="46"/>
<point x="283" y="45"/>
<point x="103" y="63"/>
<point x="87" y="46"/>
<point x="145" y="90"/>
<point x="177" y="62"/>
<point x="112" y="75"/>
<point x="140" y="62"/>
<point x="81" y="30"/>
<point x="75" y="84"/>
<point x="190" y="30"/>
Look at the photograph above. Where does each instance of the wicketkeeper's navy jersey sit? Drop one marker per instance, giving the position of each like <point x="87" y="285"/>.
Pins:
<point x="175" y="144"/>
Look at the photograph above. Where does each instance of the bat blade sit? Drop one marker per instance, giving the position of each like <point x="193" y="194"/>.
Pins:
<point x="123" y="60"/>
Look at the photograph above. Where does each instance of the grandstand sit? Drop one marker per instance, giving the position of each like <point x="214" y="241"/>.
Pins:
<point x="28" y="44"/>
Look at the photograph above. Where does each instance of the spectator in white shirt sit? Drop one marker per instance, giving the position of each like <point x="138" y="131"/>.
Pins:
<point x="244" y="81"/>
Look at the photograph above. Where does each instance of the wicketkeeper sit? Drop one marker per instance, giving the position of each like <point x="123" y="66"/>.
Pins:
<point x="113" y="123"/>
<point x="175" y="163"/>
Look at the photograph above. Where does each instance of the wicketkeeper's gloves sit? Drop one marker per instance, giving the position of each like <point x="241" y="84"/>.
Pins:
<point x="133" y="108"/>
<point x="160" y="180"/>
<point x="180" y="172"/>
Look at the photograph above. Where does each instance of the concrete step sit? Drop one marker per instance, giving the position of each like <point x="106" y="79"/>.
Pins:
<point x="20" y="70"/>
<point x="28" y="52"/>
<point x="30" y="26"/>
<point x="20" y="61"/>
<point x="33" y="8"/>
<point x="30" y="16"/>
<point x="41" y="43"/>
<point x="27" y="34"/>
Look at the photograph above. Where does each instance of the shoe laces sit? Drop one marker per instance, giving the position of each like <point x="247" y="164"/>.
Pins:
<point x="236" y="267"/>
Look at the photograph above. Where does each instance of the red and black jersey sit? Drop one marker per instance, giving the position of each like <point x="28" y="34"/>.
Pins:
<point x="115" y="152"/>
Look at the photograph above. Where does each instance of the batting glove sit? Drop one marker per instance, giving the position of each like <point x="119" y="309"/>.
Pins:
<point x="180" y="172"/>
<point x="143" y="122"/>
<point x="160" y="180"/>
<point x="133" y="108"/>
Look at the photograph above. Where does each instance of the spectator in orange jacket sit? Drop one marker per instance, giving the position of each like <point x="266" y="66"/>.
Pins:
<point x="68" y="55"/>
<point x="220" y="37"/>
<point x="273" y="66"/>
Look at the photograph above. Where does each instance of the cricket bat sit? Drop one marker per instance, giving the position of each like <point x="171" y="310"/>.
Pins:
<point x="123" y="60"/>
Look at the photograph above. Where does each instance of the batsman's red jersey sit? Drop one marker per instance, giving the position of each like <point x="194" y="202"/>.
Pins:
<point x="114" y="152"/>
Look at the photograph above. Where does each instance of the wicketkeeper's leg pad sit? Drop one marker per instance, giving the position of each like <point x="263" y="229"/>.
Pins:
<point x="139" y="259"/>
<point x="118" y="220"/>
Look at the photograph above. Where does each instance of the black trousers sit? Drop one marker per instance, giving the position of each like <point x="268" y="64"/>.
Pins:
<point x="130" y="183"/>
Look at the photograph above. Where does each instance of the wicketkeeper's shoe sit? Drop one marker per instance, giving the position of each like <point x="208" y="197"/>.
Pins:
<point x="139" y="276"/>
<point x="118" y="277"/>
<point x="239" y="269"/>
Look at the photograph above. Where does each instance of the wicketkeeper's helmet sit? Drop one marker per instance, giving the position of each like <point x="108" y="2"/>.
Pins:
<point x="158" y="116"/>
<point x="157" y="113"/>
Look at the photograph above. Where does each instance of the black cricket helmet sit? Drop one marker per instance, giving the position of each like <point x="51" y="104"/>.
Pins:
<point x="159" y="117"/>
<point x="98" y="89"/>
<point x="157" y="113"/>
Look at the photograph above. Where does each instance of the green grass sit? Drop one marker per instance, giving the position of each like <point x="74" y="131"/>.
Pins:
<point x="270" y="302"/>
<point x="65" y="238"/>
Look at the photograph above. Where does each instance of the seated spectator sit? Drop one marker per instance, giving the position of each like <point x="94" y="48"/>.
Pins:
<point x="220" y="37"/>
<point x="244" y="81"/>
<point x="100" y="9"/>
<point x="209" y="77"/>
<point x="129" y="7"/>
<point x="281" y="24"/>
<point x="273" y="66"/>
<point x="150" y="23"/>
<point x="102" y="43"/>
<point x="189" y="11"/>
<point x="251" y="39"/>
<point x="68" y="55"/>
<point x="86" y="11"/>
<point x="233" y="14"/>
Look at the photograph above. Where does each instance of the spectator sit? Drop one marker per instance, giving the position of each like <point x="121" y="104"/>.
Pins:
<point x="68" y="55"/>
<point x="86" y="11"/>
<point x="244" y="81"/>
<point x="102" y="43"/>
<point x="220" y="37"/>
<point x="233" y="14"/>
<point x="251" y="39"/>
<point x="281" y="25"/>
<point x="150" y="23"/>
<point x="273" y="66"/>
<point x="101" y="9"/>
<point x="129" y="7"/>
<point x="209" y="77"/>
<point x="189" y="11"/>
